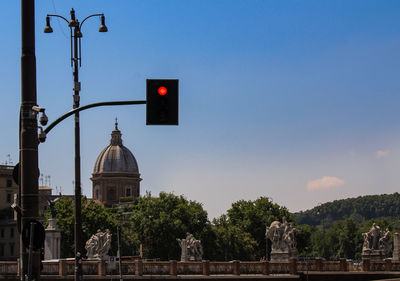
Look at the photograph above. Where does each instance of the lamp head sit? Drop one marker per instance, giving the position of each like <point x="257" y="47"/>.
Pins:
<point x="103" y="27"/>
<point x="43" y="119"/>
<point x="47" y="28"/>
<point x="41" y="135"/>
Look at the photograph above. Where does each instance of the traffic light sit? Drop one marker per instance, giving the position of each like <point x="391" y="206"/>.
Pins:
<point x="162" y="101"/>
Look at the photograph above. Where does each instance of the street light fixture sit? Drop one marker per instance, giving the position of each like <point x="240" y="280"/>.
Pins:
<point x="103" y="27"/>
<point x="267" y="256"/>
<point x="48" y="28"/>
<point x="75" y="34"/>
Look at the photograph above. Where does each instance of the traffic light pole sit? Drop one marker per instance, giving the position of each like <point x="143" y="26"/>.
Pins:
<point x="78" y="192"/>
<point x="98" y="104"/>
<point x="28" y="138"/>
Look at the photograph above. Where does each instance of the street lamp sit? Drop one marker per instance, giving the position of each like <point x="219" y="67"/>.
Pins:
<point x="267" y="257"/>
<point x="75" y="37"/>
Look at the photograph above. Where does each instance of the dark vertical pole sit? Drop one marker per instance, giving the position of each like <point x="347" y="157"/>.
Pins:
<point x="28" y="132"/>
<point x="78" y="222"/>
<point x="119" y="252"/>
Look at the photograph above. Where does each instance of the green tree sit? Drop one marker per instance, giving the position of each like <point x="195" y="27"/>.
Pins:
<point x="65" y="222"/>
<point x="303" y="239"/>
<point x="253" y="217"/>
<point x="94" y="217"/>
<point x="159" y="221"/>
<point x="231" y="242"/>
<point x="350" y="239"/>
<point x="361" y="209"/>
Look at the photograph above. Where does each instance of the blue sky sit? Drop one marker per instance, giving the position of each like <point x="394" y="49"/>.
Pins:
<point x="294" y="100"/>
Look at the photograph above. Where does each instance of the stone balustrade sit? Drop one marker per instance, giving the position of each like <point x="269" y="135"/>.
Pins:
<point x="65" y="267"/>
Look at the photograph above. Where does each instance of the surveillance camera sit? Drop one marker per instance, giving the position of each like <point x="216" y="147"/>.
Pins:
<point x="42" y="135"/>
<point x="43" y="119"/>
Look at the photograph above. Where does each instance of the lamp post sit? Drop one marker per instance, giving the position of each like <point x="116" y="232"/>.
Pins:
<point x="75" y="37"/>
<point x="28" y="139"/>
<point x="267" y="257"/>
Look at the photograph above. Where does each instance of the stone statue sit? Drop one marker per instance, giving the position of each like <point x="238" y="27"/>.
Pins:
<point x="289" y="235"/>
<point x="384" y="242"/>
<point x="376" y="243"/>
<point x="52" y="205"/>
<point x="98" y="245"/>
<point x="283" y="238"/>
<point x="191" y="248"/>
<point x="52" y="224"/>
<point x="371" y="238"/>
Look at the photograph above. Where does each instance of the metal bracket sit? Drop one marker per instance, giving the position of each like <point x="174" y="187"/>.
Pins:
<point x="77" y="86"/>
<point x="76" y="98"/>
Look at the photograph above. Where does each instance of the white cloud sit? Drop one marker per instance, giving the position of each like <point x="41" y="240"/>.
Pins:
<point x="324" y="183"/>
<point x="382" y="153"/>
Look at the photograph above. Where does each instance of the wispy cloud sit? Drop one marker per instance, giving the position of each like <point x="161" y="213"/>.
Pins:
<point x="382" y="153"/>
<point x="353" y="153"/>
<point x="324" y="183"/>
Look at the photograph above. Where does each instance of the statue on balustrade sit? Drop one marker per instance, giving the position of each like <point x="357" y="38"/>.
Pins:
<point x="191" y="248"/>
<point x="377" y="243"/>
<point x="283" y="238"/>
<point x="98" y="245"/>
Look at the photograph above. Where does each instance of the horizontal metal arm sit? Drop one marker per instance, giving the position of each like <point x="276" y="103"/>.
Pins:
<point x="69" y="113"/>
<point x="58" y="16"/>
<point x="90" y="17"/>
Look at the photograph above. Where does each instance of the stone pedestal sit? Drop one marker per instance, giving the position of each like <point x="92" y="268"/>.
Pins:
<point x="284" y="255"/>
<point x="279" y="256"/>
<point x="396" y="247"/>
<point x="374" y="255"/>
<point x="52" y="241"/>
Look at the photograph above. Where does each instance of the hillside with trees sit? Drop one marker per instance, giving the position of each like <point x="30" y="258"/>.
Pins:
<point x="360" y="209"/>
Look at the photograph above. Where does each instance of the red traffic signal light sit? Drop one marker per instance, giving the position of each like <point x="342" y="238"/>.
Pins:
<point x="162" y="101"/>
<point x="162" y="91"/>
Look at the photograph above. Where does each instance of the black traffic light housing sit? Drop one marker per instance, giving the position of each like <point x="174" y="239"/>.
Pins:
<point x="162" y="96"/>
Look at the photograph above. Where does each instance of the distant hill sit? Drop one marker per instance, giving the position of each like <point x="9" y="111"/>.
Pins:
<point x="361" y="208"/>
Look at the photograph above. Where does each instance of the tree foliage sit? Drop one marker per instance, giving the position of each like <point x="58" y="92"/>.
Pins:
<point x="361" y="209"/>
<point x="94" y="217"/>
<point x="231" y="242"/>
<point x="156" y="223"/>
<point x="252" y="217"/>
<point x="159" y="221"/>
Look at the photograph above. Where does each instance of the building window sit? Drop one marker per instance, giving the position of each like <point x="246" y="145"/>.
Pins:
<point x="1" y="250"/>
<point x="2" y="233"/>
<point x="97" y="192"/>
<point x="9" y="197"/>
<point x="12" y="232"/>
<point x="9" y="183"/>
<point x="128" y="191"/>
<point x="111" y="194"/>
<point x="11" y="249"/>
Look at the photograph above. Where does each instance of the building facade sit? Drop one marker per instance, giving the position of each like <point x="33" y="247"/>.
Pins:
<point x="116" y="173"/>
<point x="9" y="238"/>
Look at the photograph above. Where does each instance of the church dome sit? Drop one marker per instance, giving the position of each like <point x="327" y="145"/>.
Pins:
<point x="116" y="158"/>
